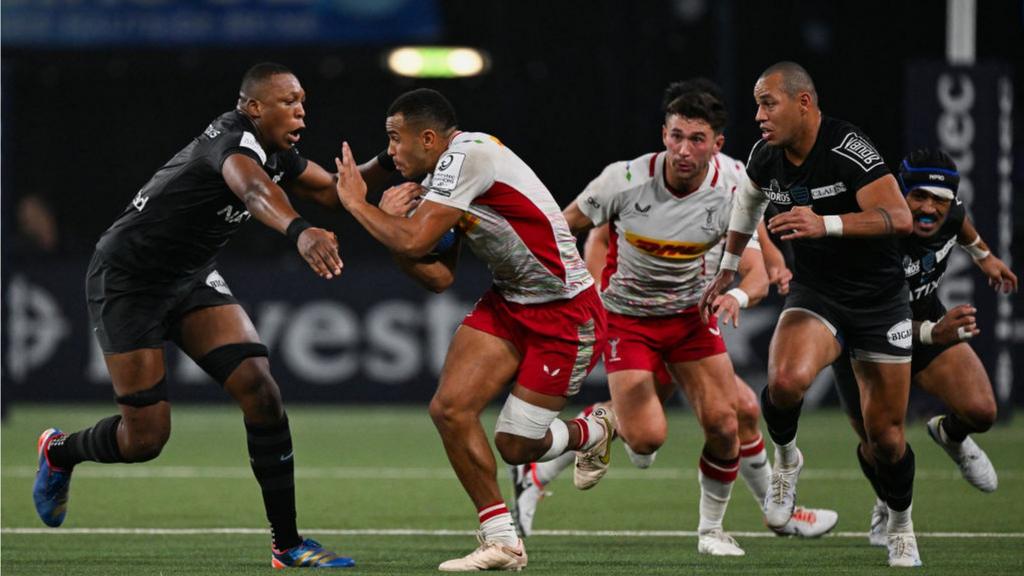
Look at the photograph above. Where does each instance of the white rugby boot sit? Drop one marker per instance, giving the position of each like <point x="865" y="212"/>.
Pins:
<point x="716" y="542"/>
<point x="780" y="501"/>
<point x="974" y="464"/>
<point x="592" y="465"/>
<point x="488" y="556"/>
<point x="809" y="522"/>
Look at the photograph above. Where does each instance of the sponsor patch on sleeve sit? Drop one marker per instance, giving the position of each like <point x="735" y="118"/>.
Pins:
<point x="249" y="141"/>
<point x="859" y="151"/>
<point x="446" y="175"/>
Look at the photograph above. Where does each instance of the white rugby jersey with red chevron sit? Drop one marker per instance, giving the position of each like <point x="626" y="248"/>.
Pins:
<point x="664" y="246"/>
<point x="512" y="222"/>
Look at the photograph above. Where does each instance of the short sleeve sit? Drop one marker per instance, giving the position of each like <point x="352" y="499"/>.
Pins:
<point x="597" y="201"/>
<point x="757" y="162"/>
<point x="228" y="143"/>
<point x="291" y="163"/>
<point x="858" y="160"/>
<point x="461" y="175"/>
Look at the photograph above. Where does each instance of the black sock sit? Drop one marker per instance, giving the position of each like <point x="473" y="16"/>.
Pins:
<point x="270" y="454"/>
<point x="781" y="422"/>
<point x="869" y="472"/>
<point x="96" y="444"/>
<point x="897" y="480"/>
<point x="956" y="429"/>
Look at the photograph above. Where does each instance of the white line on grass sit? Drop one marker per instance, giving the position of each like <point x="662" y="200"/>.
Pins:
<point x="425" y="532"/>
<point x="378" y="473"/>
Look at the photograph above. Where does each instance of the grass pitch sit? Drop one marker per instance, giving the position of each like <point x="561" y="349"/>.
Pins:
<point x="374" y="483"/>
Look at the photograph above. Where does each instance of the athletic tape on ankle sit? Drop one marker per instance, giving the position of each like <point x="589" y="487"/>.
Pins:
<point x="520" y="418"/>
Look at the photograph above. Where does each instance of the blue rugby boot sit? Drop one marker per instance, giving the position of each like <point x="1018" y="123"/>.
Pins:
<point x="309" y="554"/>
<point x="50" y="490"/>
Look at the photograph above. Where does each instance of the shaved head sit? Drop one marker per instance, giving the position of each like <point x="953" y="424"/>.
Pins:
<point x="795" y="79"/>
<point x="255" y="79"/>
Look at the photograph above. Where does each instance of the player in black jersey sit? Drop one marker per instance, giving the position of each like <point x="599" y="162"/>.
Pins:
<point x="943" y="363"/>
<point x="153" y="278"/>
<point x="842" y="210"/>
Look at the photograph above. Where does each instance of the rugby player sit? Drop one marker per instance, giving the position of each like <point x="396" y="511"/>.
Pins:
<point x="540" y="327"/>
<point x="154" y="278"/>
<point x="651" y="426"/>
<point x="842" y="209"/>
<point x="943" y="362"/>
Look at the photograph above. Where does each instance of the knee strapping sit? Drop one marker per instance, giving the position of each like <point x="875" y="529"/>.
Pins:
<point x="520" y="418"/>
<point x="219" y="363"/>
<point x="147" y="397"/>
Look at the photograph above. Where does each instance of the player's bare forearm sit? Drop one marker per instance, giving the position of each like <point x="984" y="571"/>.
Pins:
<point x="265" y="200"/>
<point x="577" y="220"/>
<point x="884" y="211"/>
<point x="433" y="273"/>
<point x="396" y="233"/>
<point x="595" y="251"/>
<point x="736" y="242"/>
<point x="753" y="276"/>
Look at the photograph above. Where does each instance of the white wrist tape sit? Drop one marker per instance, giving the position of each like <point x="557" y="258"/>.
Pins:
<point x="730" y="261"/>
<point x="742" y="297"/>
<point x="833" y="225"/>
<point x="925" y="332"/>
<point x="975" y="251"/>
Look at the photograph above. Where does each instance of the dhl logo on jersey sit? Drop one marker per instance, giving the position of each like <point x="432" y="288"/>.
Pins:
<point x="668" y="248"/>
<point x="467" y="223"/>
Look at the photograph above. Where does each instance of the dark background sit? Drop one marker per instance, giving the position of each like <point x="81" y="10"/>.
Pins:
<point x="572" y="87"/>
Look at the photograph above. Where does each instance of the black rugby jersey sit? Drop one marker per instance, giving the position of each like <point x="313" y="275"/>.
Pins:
<point x="925" y="260"/>
<point x="186" y="213"/>
<point x="842" y="161"/>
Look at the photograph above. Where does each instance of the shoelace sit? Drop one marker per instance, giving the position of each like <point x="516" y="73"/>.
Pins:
<point x="780" y="485"/>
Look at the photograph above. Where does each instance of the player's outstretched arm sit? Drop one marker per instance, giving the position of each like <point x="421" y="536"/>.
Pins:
<point x="1000" y="277"/>
<point x="318" y="185"/>
<point x="595" y="251"/>
<point x="752" y="289"/>
<point x="411" y="237"/>
<point x="268" y="203"/>
<point x="436" y="271"/>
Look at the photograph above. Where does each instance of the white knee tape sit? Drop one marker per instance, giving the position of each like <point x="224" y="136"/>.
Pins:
<point x="521" y="418"/>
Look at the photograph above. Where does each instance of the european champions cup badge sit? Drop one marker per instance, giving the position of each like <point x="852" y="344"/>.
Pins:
<point x="801" y="195"/>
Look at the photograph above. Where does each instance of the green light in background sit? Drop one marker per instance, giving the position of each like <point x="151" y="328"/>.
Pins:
<point x="437" y="61"/>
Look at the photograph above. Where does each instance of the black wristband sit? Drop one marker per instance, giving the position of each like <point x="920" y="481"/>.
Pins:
<point x="385" y="161"/>
<point x="295" y="229"/>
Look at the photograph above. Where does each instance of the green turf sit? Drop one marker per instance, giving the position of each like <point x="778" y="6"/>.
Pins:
<point x="353" y="473"/>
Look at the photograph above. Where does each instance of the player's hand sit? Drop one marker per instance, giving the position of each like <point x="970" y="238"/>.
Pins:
<point x="958" y="324"/>
<point x="800" y="222"/>
<point x="319" y="248"/>
<point x="779" y="276"/>
<point x="720" y="284"/>
<point x="727" y="308"/>
<point x="351" y="186"/>
<point x="999" y="275"/>
<point x="402" y="199"/>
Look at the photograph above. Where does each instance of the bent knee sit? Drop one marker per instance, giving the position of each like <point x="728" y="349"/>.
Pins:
<point x="787" y="384"/>
<point x="887" y="444"/>
<point x="721" y="428"/>
<point x="643" y="439"/>
<point x="145" y="446"/>
<point x="981" y="417"/>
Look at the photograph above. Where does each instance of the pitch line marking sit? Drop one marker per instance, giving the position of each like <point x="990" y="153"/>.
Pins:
<point x="434" y="473"/>
<point x="425" y="532"/>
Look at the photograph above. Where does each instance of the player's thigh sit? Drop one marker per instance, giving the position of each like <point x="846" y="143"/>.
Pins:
<point x="710" y="387"/>
<point x="803" y="344"/>
<point x="884" y="393"/>
<point x="958" y="378"/>
<point x="637" y="406"/>
<point x="477" y="368"/>
<point x="203" y="330"/>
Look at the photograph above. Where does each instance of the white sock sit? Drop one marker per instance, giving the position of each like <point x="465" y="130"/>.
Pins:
<point x="548" y="471"/>
<point x="496" y="524"/>
<point x="787" y="455"/>
<point x="641" y="461"/>
<point x="592" y="434"/>
<point x="755" y="469"/>
<point x="900" y="522"/>
<point x="714" y="498"/>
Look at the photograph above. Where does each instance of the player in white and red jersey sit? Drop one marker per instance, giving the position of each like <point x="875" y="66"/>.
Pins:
<point x="541" y="326"/>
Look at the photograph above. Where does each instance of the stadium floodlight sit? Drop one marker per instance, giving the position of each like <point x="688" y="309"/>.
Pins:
<point x="437" y="61"/>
